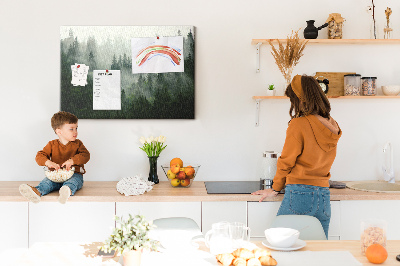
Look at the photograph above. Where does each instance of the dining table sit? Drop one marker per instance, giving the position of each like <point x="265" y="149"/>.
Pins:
<point x="86" y="254"/>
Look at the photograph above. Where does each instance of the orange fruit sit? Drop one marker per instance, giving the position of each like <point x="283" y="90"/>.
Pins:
<point x="376" y="253"/>
<point x="176" y="161"/>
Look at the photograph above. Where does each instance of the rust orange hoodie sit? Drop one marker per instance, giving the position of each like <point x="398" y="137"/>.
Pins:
<point x="308" y="152"/>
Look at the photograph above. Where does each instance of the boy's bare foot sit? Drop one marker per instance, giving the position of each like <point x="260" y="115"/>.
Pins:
<point x="30" y="193"/>
<point x="65" y="192"/>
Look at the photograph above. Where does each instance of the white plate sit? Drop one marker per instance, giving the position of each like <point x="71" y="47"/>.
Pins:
<point x="298" y="245"/>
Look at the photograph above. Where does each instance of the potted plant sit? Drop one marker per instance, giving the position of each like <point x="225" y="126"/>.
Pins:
<point x="129" y="238"/>
<point x="271" y="90"/>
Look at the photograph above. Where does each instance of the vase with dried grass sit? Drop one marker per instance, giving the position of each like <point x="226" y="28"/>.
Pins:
<point x="288" y="56"/>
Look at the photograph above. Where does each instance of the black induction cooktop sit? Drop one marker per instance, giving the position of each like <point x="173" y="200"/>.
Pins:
<point x="233" y="187"/>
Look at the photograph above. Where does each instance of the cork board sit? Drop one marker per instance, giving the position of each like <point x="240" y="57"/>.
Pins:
<point x="336" y="81"/>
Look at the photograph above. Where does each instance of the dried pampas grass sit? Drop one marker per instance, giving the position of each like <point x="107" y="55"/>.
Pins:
<point x="288" y="57"/>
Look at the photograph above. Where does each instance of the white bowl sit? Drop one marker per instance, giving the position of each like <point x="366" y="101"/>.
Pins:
<point x="282" y="237"/>
<point x="391" y="90"/>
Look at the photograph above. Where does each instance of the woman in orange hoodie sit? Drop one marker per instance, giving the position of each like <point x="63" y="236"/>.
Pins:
<point x="308" y="153"/>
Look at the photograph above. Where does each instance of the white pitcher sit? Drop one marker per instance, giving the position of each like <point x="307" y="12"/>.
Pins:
<point x="218" y="239"/>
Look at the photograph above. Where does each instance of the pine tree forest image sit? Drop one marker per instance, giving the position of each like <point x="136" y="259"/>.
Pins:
<point x="143" y="95"/>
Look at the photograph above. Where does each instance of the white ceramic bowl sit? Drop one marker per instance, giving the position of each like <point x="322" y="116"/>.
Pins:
<point x="391" y="90"/>
<point x="282" y="237"/>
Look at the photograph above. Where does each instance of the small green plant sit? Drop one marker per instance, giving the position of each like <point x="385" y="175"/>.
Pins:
<point x="271" y="87"/>
<point x="130" y="234"/>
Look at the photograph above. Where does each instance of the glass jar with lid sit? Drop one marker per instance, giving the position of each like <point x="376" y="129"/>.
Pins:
<point x="352" y="85"/>
<point x="368" y="86"/>
<point x="270" y="158"/>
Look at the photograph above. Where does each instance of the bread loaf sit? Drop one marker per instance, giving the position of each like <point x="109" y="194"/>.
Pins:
<point x="253" y="262"/>
<point x="226" y="258"/>
<point x="243" y="253"/>
<point x="267" y="261"/>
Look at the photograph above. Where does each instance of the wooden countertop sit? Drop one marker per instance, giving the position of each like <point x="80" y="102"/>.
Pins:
<point x="105" y="191"/>
<point x="353" y="246"/>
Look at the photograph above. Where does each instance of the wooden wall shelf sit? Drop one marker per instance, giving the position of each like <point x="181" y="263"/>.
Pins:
<point x="332" y="41"/>
<point x="259" y="98"/>
<point x="331" y="97"/>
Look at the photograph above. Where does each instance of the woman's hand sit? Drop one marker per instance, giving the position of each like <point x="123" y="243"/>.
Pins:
<point x="269" y="192"/>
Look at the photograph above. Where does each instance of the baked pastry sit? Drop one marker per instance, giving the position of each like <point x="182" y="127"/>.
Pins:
<point x="243" y="253"/>
<point x="267" y="261"/>
<point x="258" y="252"/>
<point x="253" y="262"/>
<point x="226" y="258"/>
<point x="239" y="262"/>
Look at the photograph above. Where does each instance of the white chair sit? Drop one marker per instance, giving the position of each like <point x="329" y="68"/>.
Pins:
<point x="177" y="223"/>
<point x="310" y="227"/>
<point x="179" y="228"/>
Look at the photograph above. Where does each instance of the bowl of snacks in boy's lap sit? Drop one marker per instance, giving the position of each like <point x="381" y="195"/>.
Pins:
<point x="59" y="176"/>
<point x="180" y="174"/>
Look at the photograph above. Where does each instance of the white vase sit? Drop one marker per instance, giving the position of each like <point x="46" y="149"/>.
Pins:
<point x="131" y="258"/>
<point x="270" y="92"/>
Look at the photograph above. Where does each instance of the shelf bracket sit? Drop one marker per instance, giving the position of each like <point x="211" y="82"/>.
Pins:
<point x="257" y="112"/>
<point x="258" y="57"/>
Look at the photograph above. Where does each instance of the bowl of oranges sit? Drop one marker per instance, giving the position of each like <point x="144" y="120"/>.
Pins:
<point x="180" y="174"/>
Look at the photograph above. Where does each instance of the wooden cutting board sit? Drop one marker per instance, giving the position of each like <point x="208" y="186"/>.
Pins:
<point x="336" y="81"/>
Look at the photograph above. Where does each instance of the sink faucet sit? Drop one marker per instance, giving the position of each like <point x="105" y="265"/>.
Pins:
<point x="388" y="174"/>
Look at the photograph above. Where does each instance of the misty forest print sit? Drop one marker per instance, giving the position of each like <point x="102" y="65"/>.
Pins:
<point x="165" y="95"/>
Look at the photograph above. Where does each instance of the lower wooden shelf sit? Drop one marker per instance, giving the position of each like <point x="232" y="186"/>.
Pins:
<point x="331" y="97"/>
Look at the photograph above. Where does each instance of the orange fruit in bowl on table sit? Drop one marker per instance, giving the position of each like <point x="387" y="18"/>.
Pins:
<point x="185" y="182"/>
<point x="376" y="253"/>
<point x="175" y="168"/>
<point x="189" y="170"/>
<point x="181" y="175"/>
<point x="176" y="161"/>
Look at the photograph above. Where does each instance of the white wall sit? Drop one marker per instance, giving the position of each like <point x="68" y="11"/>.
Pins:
<point x="222" y="138"/>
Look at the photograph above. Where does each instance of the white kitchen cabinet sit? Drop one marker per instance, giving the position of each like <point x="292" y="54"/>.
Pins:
<point x="13" y="225"/>
<point x="218" y="211"/>
<point x="260" y="216"/>
<point x="155" y="210"/>
<point x="334" y="225"/>
<point x="72" y="222"/>
<point x="355" y="211"/>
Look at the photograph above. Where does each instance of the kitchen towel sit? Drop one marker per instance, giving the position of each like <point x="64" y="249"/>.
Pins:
<point x="315" y="258"/>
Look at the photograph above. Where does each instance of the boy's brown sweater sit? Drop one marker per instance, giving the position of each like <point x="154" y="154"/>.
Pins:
<point x="59" y="153"/>
<point x="307" y="155"/>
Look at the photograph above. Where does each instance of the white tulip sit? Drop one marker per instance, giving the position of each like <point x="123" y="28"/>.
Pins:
<point x="142" y="140"/>
<point x="156" y="139"/>
<point x="151" y="138"/>
<point x="162" y="138"/>
<point x="148" y="140"/>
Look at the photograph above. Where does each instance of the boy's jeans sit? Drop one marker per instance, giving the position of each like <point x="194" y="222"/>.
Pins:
<point x="308" y="200"/>
<point x="74" y="183"/>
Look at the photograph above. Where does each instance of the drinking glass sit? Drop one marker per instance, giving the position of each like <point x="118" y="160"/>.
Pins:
<point x="239" y="233"/>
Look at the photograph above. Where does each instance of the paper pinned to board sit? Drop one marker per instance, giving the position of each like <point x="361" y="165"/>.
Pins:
<point x="79" y="74"/>
<point x="157" y="54"/>
<point x="106" y="90"/>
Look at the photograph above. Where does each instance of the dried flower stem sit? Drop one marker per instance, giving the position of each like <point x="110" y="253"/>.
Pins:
<point x="373" y="17"/>
<point x="288" y="57"/>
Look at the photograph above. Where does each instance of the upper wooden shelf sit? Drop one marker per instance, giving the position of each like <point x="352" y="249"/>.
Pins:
<point x="333" y="41"/>
<point x="341" y="97"/>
